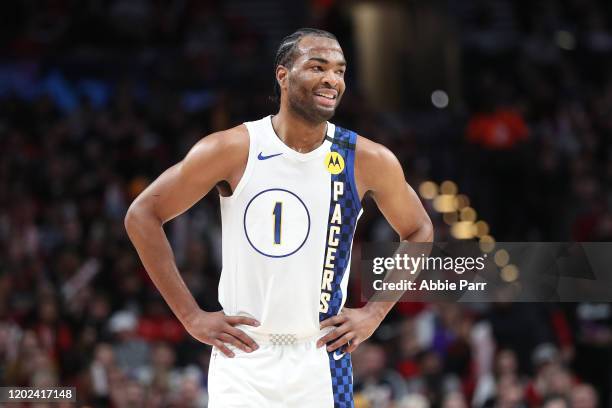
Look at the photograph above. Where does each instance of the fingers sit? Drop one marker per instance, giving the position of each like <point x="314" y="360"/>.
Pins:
<point x="333" y="321"/>
<point x="226" y="338"/>
<point x="352" y="345"/>
<point x="334" y="334"/>
<point x="223" y="348"/>
<point x="340" y="342"/>
<point x="237" y="338"/>
<point x="241" y="336"/>
<point x="234" y="320"/>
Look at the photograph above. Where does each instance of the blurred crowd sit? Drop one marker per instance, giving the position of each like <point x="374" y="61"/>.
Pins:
<point x="97" y="98"/>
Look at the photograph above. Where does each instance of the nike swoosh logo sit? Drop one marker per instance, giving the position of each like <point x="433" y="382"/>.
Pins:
<point x="262" y="157"/>
<point x="337" y="356"/>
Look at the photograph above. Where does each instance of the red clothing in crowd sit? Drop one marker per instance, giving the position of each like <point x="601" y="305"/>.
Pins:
<point x="499" y="130"/>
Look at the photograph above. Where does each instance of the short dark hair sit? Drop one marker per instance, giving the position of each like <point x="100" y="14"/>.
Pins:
<point x="285" y="55"/>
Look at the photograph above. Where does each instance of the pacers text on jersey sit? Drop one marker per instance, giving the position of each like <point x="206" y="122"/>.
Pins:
<point x="333" y="231"/>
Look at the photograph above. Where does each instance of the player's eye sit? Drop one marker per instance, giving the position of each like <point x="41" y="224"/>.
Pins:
<point x="317" y="68"/>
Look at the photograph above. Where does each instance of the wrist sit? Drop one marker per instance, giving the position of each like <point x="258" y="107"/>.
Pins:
<point x="379" y="309"/>
<point x="187" y="318"/>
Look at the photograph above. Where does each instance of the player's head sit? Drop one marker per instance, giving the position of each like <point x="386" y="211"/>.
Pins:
<point x="310" y="68"/>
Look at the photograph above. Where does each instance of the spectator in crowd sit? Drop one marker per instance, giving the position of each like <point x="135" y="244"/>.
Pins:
<point x="454" y="400"/>
<point x="97" y="384"/>
<point x="131" y="352"/>
<point x="379" y="384"/>
<point x="584" y="396"/>
<point x="555" y="401"/>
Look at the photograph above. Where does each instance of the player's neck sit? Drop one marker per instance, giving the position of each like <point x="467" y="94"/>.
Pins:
<point x="297" y="133"/>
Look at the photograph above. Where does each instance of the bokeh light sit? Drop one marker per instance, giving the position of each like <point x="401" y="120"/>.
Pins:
<point x="450" y="217"/>
<point x="502" y="257"/>
<point x="467" y="214"/>
<point x="462" y="230"/>
<point x="482" y="228"/>
<point x="439" y="99"/>
<point x="487" y="243"/>
<point x="462" y="201"/>
<point x="448" y="187"/>
<point x="444" y="203"/>
<point x="428" y="190"/>
<point x="509" y="273"/>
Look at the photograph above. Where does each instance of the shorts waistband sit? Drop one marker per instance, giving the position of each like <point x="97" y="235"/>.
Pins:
<point x="286" y="339"/>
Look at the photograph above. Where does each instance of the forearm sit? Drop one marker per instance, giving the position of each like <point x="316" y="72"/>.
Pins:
<point x="148" y="237"/>
<point x="423" y="234"/>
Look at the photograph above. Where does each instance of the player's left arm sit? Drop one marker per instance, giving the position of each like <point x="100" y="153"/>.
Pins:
<point x="379" y="174"/>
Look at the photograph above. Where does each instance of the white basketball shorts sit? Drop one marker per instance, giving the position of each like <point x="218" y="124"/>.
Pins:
<point x="284" y="372"/>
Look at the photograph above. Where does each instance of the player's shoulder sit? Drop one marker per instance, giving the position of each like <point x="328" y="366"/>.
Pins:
<point x="372" y="154"/>
<point x="371" y="161"/>
<point x="227" y="140"/>
<point x="222" y="144"/>
<point x="223" y="151"/>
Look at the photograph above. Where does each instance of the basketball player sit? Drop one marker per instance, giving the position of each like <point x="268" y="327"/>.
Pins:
<point x="290" y="187"/>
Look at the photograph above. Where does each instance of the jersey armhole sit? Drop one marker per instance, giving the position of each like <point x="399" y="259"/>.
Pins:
<point x="248" y="169"/>
<point x="351" y="170"/>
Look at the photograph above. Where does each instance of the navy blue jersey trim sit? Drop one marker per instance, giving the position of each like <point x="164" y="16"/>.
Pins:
<point x="339" y="236"/>
<point x="339" y="239"/>
<point x="342" y="143"/>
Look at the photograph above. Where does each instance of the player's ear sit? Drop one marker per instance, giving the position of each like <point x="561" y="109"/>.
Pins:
<point x="281" y="75"/>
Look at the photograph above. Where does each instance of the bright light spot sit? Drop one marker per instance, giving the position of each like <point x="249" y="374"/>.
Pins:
<point x="462" y="201"/>
<point x="468" y="214"/>
<point x="502" y="257"/>
<point x="462" y="230"/>
<point x="487" y="243"/>
<point x="428" y="190"/>
<point x="444" y="203"/>
<point x="565" y="40"/>
<point x="450" y="217"/>
<point x="448" y="187"/>
<point x="509" y="273"/>
<point x="482" y="228"/>
<point x="439" y="99"/>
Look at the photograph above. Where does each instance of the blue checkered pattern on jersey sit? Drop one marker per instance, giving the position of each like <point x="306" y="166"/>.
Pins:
<point x="341" y="369"/>
<point x="342" y="380"/>
<point x="344" y="144"/>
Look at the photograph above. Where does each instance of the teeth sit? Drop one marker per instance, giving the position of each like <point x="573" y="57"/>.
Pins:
<point x="327" y="96"/>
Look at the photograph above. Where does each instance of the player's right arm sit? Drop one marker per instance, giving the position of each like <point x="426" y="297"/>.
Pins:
<point x="218" y="157"/>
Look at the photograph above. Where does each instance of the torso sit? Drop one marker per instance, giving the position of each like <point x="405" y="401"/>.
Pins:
<point x="288" y="229"/>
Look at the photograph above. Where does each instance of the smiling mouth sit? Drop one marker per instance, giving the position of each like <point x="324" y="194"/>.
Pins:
<point x="326" y="100"/>
<point x="326" y="96"/>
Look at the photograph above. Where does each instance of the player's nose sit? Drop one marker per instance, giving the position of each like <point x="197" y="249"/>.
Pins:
<point x="330" y="79"/>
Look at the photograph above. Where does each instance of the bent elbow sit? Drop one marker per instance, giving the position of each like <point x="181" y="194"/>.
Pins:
<point x="427" y="230"/>
<point x="422" y="232"/>
<point x="133" y="216"/>
<point x="130" y="218"/>
<point x="140" y="215"/>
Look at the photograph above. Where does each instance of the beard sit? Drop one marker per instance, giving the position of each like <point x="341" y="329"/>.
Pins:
<point x="305" y="107"/>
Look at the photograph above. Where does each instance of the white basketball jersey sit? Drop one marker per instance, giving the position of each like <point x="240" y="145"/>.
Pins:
<point x="288" y="230"/>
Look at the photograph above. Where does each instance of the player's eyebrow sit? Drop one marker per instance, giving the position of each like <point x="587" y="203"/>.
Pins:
<point x="324" y="61"/>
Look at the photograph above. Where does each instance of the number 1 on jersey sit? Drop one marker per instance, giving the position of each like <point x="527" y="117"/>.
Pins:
<point x="278" y="211"/>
